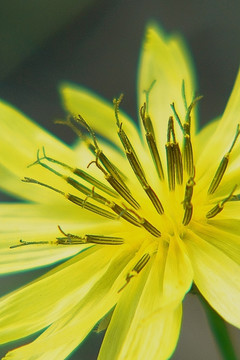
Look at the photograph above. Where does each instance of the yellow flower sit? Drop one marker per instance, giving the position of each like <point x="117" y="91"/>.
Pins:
<point x="141" y="213"/>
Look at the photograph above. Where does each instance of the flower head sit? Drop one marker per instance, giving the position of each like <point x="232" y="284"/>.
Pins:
<point x="139" y="215"/>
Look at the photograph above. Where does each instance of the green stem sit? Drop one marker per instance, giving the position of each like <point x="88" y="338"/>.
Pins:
<point x="220" y="331"/>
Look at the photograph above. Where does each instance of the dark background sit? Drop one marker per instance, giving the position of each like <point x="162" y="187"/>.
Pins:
<point x="96" y="43"/>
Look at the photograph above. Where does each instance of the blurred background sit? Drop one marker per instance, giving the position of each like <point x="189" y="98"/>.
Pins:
<point x="96" y="43"/>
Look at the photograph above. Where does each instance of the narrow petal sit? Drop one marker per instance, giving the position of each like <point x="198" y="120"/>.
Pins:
<point x="178" y="273"/>
<point x="164" y="59"/>
<point x="41" y="226"/>
<point x="97" y="112"/>
<point x="217" y="277"/>
<point x="223" y="234"/>
<point x="221" y="139"/>
<point x="140" y="327"/>
<point x="98" y="280"/>
<point x="203" y="137"/>
<point x="20" y="138"/>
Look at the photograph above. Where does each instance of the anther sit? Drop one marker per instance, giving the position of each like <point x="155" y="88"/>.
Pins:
<point x="80" y="187"/>
<point x="83" y="203"/>
<point x="116" y="185"/>
<point x="174" y="157"/>
<point x="147" y="225"/>
<point x="78" y="172"/>
<point x="150" y="137"/>
<point x="188" y="210"/>
<point x="154" y="199"/>
<point x="70" y="239"/>
<point x="170" y="165"/>
<point x="222" y="166"/>
<point x="187" y="154"/>
<point x="136" y="269"/>
<point x="219" y="207"/>
<point x="94" y="148"/>
<point x="135" y="163"/>
<point x="123" y="213"/>
<point x="187" y="205"/>
<point x="186" y="130"/>
<point x="75" y="199"/>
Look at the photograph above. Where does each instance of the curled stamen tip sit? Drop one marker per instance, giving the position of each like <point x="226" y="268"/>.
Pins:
<point x="38" y="159"/>
<point x="30" y="180"/>
<point x="61" y="230"/>
<point x="119" y="99"/>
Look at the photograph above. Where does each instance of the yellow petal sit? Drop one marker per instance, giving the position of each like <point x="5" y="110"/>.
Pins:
<point x="217" y="277"/>
<point x="178" y="273"/>
<point x="140" y="327"/>
<point x="97" y="112"/>
<point x="220" y="141"/>
<point x="222" y="233"/>
<point x="96" y="279"/>
<point x="202" y="138"/>
<point x="164" y="59"/>
<point x="41" y="225"/>
<point x="20" y="138"/>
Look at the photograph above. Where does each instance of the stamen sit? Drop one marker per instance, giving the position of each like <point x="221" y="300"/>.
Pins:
<point x="80" y="187"/>
<point x="187" y="144"/>
<point x="176" y="116"/>
<point x="154" y="199"/>
<point x="174" y="157"/>
<point x="187" y="214"/>
<point x="150" y="137"/>
<point x="147" y="225"/>
<point x="187" y="205"/>
<point x="219" y="207"/>
<point x="187" y="154"/>
<point x="186" y="129"/>
<point x="78" y="172"/>
<point x="135" y="163"/>
<point x="122" y="191"/>
<point x="70" y="239"/>
<point x="147" y="92"/>
<point x="178" y="163"/>
<point x="136" y="269"/>
<point x="88" y="206"/>
<point x="150" y="228"/>
<point x="24" y="243"/>
<point x="170" y="165"/>
<point x="94" y="148"/>
<point x="123" y="213"/>
<point x="184" y="95"/>
<point x="222" y="166"/>
<point x="75" y="199"/>
<point x="79" y="133"/>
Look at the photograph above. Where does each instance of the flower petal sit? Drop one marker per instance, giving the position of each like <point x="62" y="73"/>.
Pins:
<point x="164" y="59"/>
<point x="221" y="139"/>
<point x="20" y="138"/>
<point x="203" y="137"/>
<point x="96" y="280"/>
<point x="217" y="277"/>
<point x="178" y="272"/>
<point x="222" y="233"/>
<point x="145" y="329"/>
<point x="41" y="225"/>
<point x="97" y="112"/>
